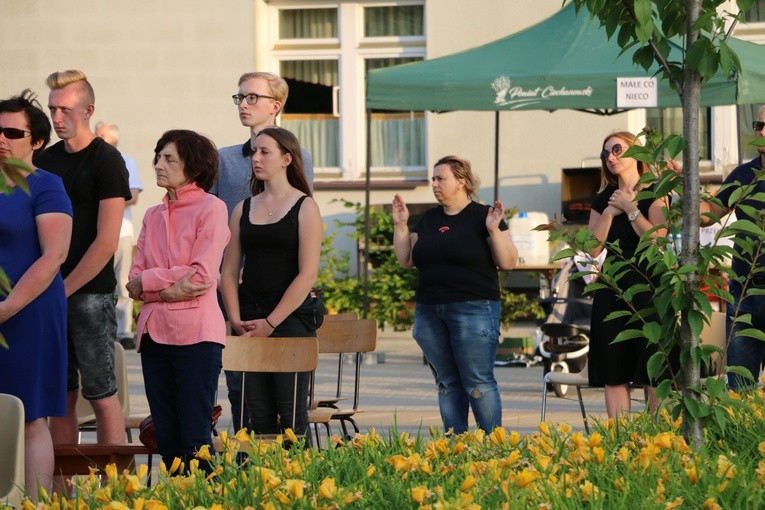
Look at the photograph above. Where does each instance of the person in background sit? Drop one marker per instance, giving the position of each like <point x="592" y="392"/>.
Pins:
<point x="181" y="330"/>
<point x="617" y="217"/>
<point x="123" y="257"/>
<point x="743" y="350"/>
<point x="457" y="248"/>
<point x="260" y="98"/>
<point x="277" y="234"/>
<point x="35" y="230"/>
<point x="96" y="180"/>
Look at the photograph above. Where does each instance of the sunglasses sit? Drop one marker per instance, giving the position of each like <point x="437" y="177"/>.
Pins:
<point x="13" y="133"/>
<point x="616" y="150"/>
<point x="757" y="125"/>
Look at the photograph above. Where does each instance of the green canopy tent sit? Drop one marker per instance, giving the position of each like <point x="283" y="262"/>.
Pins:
<point x="563" y="62"/>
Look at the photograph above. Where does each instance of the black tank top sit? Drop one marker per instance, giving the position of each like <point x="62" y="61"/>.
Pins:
<point x="270" y="257"/>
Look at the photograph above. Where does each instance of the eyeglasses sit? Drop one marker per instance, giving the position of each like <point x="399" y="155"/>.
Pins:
<point x="13" y="133"/>
<point x="616" y="150"/>
<point x="250" y="98"/>
<point x="757" y="125"/>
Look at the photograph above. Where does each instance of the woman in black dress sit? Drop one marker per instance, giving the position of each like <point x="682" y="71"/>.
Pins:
<point x="616" y="216"/>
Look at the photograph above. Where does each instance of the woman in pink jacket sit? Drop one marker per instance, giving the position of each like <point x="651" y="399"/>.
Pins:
<point x="181" y="330"/>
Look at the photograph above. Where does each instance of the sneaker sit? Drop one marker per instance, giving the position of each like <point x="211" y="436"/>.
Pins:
<point x="128" y="342"/>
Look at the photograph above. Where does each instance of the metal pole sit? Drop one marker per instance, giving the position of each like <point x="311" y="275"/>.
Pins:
<point x="496" y="156"/>
<point x="367" y="190"/>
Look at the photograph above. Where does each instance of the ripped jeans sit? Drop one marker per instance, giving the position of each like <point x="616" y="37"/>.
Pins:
<point x="459" y="341"/>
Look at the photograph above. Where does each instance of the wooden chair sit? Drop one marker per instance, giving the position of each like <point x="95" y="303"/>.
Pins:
<point x="344" y="337"/>
<point x="11" y="450"/>
<point x="270" y="354"/>
<point x="332" y="401"/>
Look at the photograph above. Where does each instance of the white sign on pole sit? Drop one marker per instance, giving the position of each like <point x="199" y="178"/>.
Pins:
<point x="637" y="92"/>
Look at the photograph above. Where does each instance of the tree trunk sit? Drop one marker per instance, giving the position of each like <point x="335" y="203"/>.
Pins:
<point x="691" y="99"/>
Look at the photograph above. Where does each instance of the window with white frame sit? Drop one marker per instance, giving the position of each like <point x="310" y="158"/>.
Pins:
<point x="324" y="50"/>
<point x="669" y="121"/>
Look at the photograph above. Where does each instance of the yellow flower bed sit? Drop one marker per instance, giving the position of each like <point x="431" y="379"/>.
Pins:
<point x="641" y="462"/>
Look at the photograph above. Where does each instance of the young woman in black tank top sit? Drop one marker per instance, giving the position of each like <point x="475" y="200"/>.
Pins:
<point x="277" y="234"/>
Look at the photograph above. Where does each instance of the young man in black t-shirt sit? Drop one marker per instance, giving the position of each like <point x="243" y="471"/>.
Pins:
<point x="96" y="180"/>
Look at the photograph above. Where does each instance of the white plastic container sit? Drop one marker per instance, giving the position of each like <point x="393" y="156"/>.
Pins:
<point x="533" y="248"/>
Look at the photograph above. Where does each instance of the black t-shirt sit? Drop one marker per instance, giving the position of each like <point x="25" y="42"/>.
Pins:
<point x="744" y="175"/>
<point x="453" y="256"/>
<point x="95" y="173"/>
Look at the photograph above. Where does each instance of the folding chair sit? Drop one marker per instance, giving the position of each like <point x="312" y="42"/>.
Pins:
<point x="11" y="450"/>
<point x="270" y="354"/>
<point x="344" y="337"/>
<point x="577" y="380"/>
<point x="332" y="401"/>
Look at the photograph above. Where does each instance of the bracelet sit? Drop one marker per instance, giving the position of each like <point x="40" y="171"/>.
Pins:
<point x="269" y="323"/>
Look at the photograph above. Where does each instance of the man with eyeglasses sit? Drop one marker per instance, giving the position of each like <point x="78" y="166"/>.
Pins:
<point x="261" y="97"/>
<point x="96" y="180"/>
<point x="745" y="351"/>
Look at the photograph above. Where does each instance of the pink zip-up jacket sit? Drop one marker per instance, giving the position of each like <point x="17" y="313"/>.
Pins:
<point x="176" y="236"/>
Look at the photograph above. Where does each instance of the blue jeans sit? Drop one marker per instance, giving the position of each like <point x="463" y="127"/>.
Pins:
<point x="745" y="351"/>
<point x="459" y="341"/>
<point x="180" y="383"/>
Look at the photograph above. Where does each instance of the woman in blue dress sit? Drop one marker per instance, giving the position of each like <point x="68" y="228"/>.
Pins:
<point x="35" y="229"/>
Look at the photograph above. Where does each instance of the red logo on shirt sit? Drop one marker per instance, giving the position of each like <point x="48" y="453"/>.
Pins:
<point x="443" y="229"/>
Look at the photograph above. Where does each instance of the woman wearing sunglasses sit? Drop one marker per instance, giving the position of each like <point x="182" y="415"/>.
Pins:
<point x="617" y="217"/>
<point x="35" y="229"/>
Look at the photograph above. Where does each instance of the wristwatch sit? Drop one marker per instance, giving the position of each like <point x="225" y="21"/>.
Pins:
<point x="633" y="215"/>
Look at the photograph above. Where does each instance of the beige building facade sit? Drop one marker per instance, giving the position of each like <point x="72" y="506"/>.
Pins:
<point x="157" y="65"/>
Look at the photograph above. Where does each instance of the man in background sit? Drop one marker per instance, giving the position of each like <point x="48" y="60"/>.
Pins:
<point x="96" y="180"/>
<point x="123" y="258"/>
<point x="744" y="350"/>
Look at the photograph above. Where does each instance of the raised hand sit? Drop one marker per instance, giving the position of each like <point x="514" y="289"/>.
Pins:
<point x="400" y="211"/>
<point x="495" y="216"/>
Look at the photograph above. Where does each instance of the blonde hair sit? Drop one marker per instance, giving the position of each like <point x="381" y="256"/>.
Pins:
<point x="61" y="79"/>
<point x="461" y="169"/>
<point x="277" y="87"/>
<point x="606" y="177"/>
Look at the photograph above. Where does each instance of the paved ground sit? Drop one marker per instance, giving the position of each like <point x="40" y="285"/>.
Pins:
<point x="401" y="391"/>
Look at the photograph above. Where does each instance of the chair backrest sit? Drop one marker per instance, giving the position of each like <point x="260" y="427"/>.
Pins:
<point x="351" y="337"/>
<point x="344" y="316"/>
<point x="347" y="336"/>
<point x="11" y="449"/>
<point x="714" y="334"/>
<point x="270" y="354"/>
<point x="85" y="411"/>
